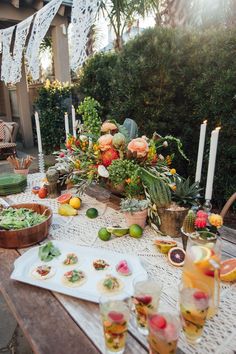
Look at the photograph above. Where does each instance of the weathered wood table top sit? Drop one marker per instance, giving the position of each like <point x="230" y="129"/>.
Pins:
<point x="57" y="324"/>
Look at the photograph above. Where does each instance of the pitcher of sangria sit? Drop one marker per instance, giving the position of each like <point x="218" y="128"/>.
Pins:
<point x="202" y="266"/>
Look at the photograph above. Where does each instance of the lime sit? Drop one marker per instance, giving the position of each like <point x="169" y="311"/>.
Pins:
<point x="92" y="213"/>
<point x="135" y="231"/>
<point x="103" y="234"/>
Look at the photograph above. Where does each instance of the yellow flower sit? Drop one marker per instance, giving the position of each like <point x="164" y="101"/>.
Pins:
<point x="215" y="220"/>
<point x="173" y="187"/>
<point x="47" y="84"/>
<point x="173" y="171"/>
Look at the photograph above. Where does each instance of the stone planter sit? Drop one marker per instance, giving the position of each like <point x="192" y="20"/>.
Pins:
<point x="171" y="221"/>
<point x="138" y="217"/>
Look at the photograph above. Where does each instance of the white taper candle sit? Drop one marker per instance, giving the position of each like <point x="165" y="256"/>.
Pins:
<point x="200" y="151"/>
<point x="211" y="164"/>
<point x="73" y="120"/>
<point x="67" y="125"/>
<point x="40" y="149"/>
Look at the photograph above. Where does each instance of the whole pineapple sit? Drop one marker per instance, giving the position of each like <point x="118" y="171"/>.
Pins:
<point x="189" y="220"/>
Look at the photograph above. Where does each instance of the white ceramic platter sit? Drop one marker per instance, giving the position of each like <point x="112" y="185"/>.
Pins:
<point x="86" y="255"/>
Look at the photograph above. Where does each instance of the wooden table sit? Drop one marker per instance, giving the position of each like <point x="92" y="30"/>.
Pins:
<point x="59" y="324"/>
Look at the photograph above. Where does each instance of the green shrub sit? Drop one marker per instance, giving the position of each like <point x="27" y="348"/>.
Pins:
<point x="96" y="79"/>
<point x="170" y="80"/>
<point x="52" y="104"/>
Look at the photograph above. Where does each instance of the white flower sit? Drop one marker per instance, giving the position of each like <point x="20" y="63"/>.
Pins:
<point x="161" y="157"/>
<point x="165" y="144"/>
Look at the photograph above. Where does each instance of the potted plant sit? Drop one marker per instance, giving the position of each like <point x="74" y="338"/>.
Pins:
<point x="169" y="206"/>
<point x="135" y="211"/>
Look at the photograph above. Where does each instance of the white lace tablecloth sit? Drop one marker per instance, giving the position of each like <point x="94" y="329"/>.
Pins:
<point x="220" y="332"/>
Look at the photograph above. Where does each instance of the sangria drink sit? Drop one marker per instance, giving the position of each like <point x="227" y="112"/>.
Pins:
<point x="146" y="300"/>
<point x="194" y="305"/>
<point x="202" y="267"/>
<point x="115" y="317"/>
<point x="164" y="330"/>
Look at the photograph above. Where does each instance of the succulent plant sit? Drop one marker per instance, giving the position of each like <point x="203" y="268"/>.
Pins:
<point x="133" y="205"/>
<point x="189" y="222"/>
<point x="118" y="141"/>
<point x="186" y="194"/>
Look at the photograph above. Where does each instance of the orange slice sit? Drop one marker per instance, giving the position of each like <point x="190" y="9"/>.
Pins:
<point x="228" y="270"/>
<point x="200" y="254"/>
<point x="64" y="198"/>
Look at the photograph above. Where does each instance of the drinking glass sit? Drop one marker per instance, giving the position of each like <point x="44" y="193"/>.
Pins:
<point x="202" y="266"/>
<point x="164" y="329"/>
<point x="194" y="305"/>
<point x="115" y="311"/>
<point x="146" y="300"/>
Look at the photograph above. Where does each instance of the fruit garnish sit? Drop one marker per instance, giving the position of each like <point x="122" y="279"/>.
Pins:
<point x="176" y="256"/>
<point x="209" y="273"/>
<point x="200" y="254"/>
<point x="199" y="295"/>
<point x="158" y="321"/>
<point x="144" y="299"/>
<point x="165" y="246"/>
<point x="116" y="316"/>
<point x="228" y="270"/>
<point x="64" y="198"/>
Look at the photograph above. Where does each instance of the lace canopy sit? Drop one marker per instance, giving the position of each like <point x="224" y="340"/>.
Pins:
<point x="82" y="18"/>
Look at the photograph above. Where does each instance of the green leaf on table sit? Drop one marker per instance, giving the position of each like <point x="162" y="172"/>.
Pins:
<point x="48" y="251"/>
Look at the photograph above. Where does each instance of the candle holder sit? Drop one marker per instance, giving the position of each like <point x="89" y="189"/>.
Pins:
<point x="41" y="163"/>
<point x="207" y="206"/>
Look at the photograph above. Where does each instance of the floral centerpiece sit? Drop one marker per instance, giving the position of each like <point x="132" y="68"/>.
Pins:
<point x="104" y="153"/>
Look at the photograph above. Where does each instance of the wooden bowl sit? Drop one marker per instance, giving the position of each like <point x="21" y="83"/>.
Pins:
<point x="30" y="235"/>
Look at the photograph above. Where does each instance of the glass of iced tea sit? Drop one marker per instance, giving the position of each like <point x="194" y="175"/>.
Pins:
<point x="146" y="300"/>
<point x="164" y="330"/>
<point x="194" y="305"/>
<point x="115" y="311"/>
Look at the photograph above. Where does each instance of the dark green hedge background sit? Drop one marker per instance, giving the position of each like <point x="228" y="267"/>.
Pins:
<point x="169" y="81"/>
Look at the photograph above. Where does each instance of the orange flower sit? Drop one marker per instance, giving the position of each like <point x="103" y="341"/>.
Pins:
<point x="173" y="171"/>
<point x="140" y="146"/>
<point x="105" y="142"/>
<point x="128" y="180"/>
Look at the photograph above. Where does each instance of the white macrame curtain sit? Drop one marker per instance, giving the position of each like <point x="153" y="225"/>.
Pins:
<point x="41" y="25"/>
<point x="82" y="18"/>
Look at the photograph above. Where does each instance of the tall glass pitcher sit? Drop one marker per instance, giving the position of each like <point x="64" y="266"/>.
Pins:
<point x="202" y="266"/>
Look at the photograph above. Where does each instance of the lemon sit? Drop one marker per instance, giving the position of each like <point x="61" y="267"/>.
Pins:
<point x="103" y="234"/>
<point x="92" y="213"/>
<point x="200" y="254"/>
<point x="135" y="231"/>
<point x="66" y="210"/>
<point x="75" y="202"/>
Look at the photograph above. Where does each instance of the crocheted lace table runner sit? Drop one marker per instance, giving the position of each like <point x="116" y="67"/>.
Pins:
<point x="219" y="333"/>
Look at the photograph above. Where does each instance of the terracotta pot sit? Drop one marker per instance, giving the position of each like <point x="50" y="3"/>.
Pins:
<point x="22" y="172"/>
<point x="171" y="221"/>
<point x="138" y="217"/>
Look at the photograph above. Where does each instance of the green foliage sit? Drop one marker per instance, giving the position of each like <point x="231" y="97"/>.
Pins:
<point x="96" y="79"/>
<point x="133" y="205"/>
<point x="186" y="194"/>
<point x="51" y="104"/>
<point x="126" y="172"/>
<point x="91" y="120"/>
<point x="169" y="81"/>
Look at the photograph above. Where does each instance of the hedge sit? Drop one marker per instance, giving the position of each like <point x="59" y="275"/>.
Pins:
<point x="169" y="81"/>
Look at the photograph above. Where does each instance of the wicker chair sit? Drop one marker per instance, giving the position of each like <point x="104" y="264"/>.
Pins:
<point x="8" y="132"/>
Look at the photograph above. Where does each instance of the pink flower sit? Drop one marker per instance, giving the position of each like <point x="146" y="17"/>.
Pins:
<point x="108" y="127"/>
<point x="62" y="154"/>
<point x="202" y="214"/>
<point x="200" y="223"/>
<point x="139" y="146"/>
<point x="105" y="142"/>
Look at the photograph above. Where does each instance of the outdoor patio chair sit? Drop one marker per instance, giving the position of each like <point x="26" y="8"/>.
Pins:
<point x="228" y="204"/>
<point x="8" y="132"/>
